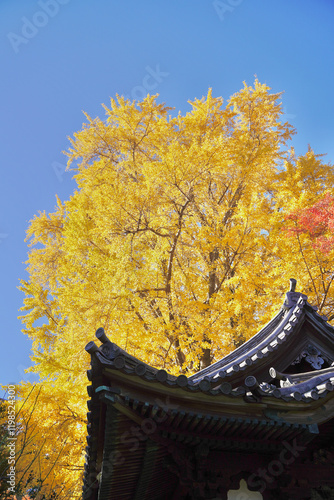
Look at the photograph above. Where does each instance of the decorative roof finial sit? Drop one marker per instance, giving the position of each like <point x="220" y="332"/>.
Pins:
<point x="293" y="284"/>
<point x="292" y="297"/>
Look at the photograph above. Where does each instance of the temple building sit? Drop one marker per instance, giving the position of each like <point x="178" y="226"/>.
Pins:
<point x="258" y="424"/>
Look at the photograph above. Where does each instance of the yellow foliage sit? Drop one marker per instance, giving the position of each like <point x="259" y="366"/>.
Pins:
<point x="173" y="243"/>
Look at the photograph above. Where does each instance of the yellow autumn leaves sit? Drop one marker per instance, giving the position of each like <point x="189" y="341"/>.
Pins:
<point x="172" y="242"/>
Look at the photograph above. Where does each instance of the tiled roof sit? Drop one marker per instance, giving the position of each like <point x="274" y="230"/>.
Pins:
<point x="239" y="366"/>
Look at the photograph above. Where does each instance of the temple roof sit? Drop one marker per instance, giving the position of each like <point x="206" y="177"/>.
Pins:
<point x="277" y="385"/>
<point x="296" y="331"/>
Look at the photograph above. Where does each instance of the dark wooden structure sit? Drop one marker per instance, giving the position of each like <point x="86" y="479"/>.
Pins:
<point x="263" y="414"/>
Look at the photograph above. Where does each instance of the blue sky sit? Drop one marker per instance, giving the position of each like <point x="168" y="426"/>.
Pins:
<point x="61" y="57"/>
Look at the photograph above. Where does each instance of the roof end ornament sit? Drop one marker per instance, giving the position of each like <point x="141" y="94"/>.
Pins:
<point x="292" y="297"/>
<point x="293" y="284"/>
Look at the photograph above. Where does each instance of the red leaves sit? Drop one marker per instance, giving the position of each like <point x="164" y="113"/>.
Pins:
<point x="317" y="222"/>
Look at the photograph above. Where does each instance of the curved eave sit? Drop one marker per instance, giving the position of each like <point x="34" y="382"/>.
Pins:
<point x="234" y="368"/>
<point x="249" y="352"/>
<point x="313" y="398"/>
<point x="272" y="342"/>
<point x="229" y="375"/>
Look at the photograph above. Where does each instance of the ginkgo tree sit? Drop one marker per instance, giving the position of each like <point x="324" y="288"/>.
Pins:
<point x="173" y="242"/>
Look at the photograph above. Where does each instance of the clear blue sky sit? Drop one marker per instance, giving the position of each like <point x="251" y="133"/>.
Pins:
<point x="60" y="57"/>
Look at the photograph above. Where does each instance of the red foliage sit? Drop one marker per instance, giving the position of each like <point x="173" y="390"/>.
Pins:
<point x="317" y="221"/>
